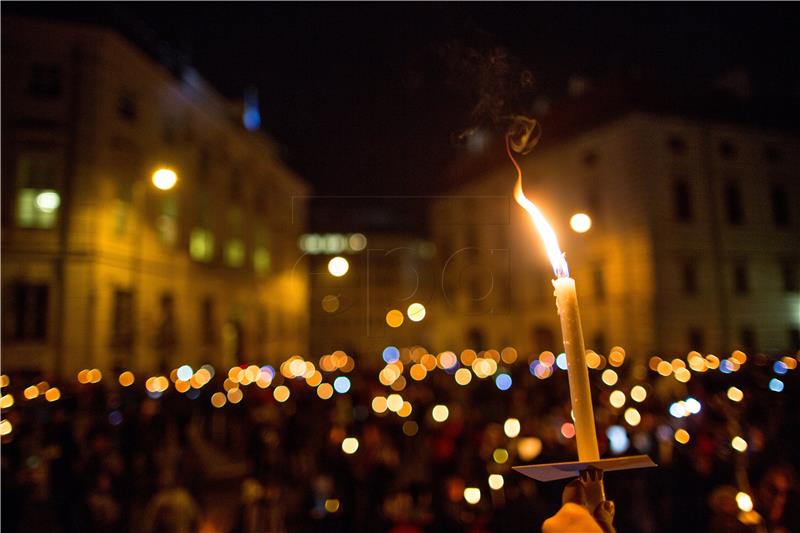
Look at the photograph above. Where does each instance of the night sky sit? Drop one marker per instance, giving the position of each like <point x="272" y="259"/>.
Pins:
<point x="371" y="98"/>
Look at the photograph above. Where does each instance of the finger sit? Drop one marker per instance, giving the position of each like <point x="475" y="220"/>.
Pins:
<point x="604" y="514"/>
<point x="573" y="493"/>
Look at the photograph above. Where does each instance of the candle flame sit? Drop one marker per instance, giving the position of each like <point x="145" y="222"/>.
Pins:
<point x="554" y="252"/>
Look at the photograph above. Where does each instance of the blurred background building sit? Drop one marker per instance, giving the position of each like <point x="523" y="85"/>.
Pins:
<point x="102" y="268"/>
<point x="693" y="237"/>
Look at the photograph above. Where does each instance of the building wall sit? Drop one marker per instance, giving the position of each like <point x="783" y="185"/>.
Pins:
<point x="629" y="267"/>
<point x="116" y="118"/>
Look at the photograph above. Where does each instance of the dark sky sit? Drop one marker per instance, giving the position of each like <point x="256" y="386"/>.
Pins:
<point x="366" y="98"/>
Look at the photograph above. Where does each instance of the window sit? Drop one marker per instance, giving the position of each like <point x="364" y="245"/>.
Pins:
<point x="696" y="340"/>
<point x="682" y="199"/>
<point x="208" y="321"/>
<point x="476" y="339"/>
<point x="780" y="205"/>
<point x="689" y="278"/>
<point x="45" y="81"/>
<point x="727" y="149"/>
<point x="201" y="245"/>
<point x="595" y="206"/>
<point x="261" y="255"/>
<point x="734" y="211"/>
<point x="599" y="342"/>
<point x="677" y="145"/>
<point x="590" y="159"/>
<point x="166" y="338"/>
<point x="790" y="276"/>
<point x="234" y="245"/>
<point x="599" y="284"/>
<point x="772" y="154"/>
<point x="25" y="311"/>
<point x="234" y="253"/>
<point x="741" y="281"/>
<point x="122" y="334"/>
<point x="167" y="223"/>
<point x="169" y="132"/>
<point x="544" y="339"/>
<point x="38" y="199"/>
<point x="747" y="337"/>
<point x="127" y="107"/>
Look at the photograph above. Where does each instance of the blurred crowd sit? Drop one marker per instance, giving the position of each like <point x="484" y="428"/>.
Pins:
<point x="109" y="458"/>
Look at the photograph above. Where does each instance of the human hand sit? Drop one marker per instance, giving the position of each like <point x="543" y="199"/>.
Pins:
<point x="573" y="517"/>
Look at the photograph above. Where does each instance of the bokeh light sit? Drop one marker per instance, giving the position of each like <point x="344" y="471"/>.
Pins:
<point x="511" y="427"/>
<point x="472" y="495"/>
<point x="744" y="502"/>
<point x="440" y="413"/>
<point x="416" y="312"/>
<point x="338" y="266"/>
<point x="394" y="318"/>
<point x="580" y="222"/>
<point x="350" y="445"/>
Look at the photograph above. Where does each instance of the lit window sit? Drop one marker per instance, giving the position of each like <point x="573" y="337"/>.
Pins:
<point x="37" y="199"/>
<point x="167" y="223"/>
<point x="201" y="245"/>
<point x="234" y="253"/>
<point x="37" y="208"/>
<point x="261" y="260"/>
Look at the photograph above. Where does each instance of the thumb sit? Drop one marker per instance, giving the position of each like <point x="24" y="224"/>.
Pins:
<point x="604" y="515"/>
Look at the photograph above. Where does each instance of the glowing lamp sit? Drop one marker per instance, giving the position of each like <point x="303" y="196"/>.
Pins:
<point x="164" y="179"/>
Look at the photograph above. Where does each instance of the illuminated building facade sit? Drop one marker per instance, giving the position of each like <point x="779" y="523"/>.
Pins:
<point x="352" y="306"/>
<point x="102" y="268"/>
<point x="693" y="241"/>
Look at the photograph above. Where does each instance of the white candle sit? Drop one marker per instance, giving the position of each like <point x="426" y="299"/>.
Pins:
<point x="577" y="370"/>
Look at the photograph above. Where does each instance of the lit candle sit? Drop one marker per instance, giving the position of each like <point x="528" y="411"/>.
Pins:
<point x="567" y="305"/>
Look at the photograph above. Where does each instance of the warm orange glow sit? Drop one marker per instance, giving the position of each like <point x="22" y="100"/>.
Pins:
<point x="394" y="318"/>
<point x="735" y="394"/>
<point x="545" y="230"/>
<point x="126" y="379"/>
<point x="325" y="391"/>
<point x="52" y="394"/>
<point x="6" y="401"/>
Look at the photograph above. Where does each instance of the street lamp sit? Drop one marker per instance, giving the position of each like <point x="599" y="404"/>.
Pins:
<point x="580" y="222"/>
<point x="164" y="178"/>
